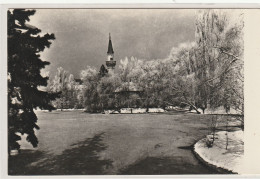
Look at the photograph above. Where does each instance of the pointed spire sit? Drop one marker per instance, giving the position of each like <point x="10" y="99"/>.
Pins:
<point x="110" y="47"/>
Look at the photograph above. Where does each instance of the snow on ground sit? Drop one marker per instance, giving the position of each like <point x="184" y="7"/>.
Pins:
<point x="70" y="110"/>
<point x="38" y="109"/>
<point x="135" y="111"/>
<point x="156" y="110"/>
<point x="141" y="110"/>
<point x="219" y="110"/>
<point x="176" y="108"/>
<point x="230" y="159"/>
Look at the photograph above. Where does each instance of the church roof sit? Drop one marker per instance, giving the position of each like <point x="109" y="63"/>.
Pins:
<point x="110" y="47"/>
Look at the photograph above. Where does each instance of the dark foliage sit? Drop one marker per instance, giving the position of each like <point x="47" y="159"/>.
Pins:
<point x="103" y="71"/>
<point x="24" y="78"/>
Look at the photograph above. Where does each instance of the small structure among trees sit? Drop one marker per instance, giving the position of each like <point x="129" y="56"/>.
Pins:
<point x="128" y="95"/>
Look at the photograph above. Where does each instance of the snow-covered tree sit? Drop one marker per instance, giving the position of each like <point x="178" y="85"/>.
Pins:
<point x="90" y="78"/>
<point x="64" y="83"/>
<point x="220" y="62"/>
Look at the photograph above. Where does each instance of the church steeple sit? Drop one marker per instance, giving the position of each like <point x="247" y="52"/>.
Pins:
<point x="110" y="62"/>
<point x="110" y="47"/>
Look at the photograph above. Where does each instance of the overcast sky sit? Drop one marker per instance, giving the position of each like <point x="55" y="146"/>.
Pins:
<point x="82" y="34"/>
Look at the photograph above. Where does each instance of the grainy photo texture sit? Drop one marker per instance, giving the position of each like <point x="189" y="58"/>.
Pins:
<point x="125" y="91"/>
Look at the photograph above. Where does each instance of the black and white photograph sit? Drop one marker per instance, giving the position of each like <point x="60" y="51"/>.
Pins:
<point x="130" y="91"/>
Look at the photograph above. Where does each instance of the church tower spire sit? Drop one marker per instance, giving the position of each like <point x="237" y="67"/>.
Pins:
<point x="110" y="46"/>
<point x="110" y="62"/>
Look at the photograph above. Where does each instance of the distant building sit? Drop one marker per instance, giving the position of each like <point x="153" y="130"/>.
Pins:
<point x="110" y="62"/>
<point x="79" y="81"/>
<point x="129" y="94"/>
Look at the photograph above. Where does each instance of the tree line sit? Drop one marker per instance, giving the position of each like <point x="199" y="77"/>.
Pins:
<point x="199" y="74"/>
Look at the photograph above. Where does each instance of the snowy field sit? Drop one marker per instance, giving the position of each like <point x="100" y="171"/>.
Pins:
<point x="151" y="143"/>
<point x="230" y="159"/>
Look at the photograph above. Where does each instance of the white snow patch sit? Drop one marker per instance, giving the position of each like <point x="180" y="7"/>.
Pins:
<point x="219" y="110"/>
<point x="17" y="22"/>
<point x="38" y="109"/>
<point x="70" y="109"/>
<point x="132" y="110"/>
<point x="230" y="159"/>
<point x="125" y="110"/>
<point x="140" y="110"/>
<point x="111" y="112"/>
<point x="176" y="108"/>
<point x="156" y="110"/>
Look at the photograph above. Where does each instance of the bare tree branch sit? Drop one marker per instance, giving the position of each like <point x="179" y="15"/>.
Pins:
<point x="221" y="50"/>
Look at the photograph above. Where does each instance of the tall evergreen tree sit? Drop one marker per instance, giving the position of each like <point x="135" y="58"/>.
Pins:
<point x="24" y="78"/>
<point x="103" y="71"/>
